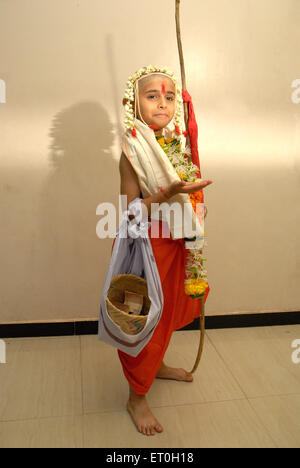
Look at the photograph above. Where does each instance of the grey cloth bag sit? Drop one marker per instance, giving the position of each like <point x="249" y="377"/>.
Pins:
<point x="132" y="254"/>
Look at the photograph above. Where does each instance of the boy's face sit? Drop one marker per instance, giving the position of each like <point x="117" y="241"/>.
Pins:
<point x="156" y="100"/>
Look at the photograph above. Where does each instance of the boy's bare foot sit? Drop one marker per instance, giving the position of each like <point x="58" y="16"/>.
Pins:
<point x="173" y="373"/>
<point x="141" y="414"/>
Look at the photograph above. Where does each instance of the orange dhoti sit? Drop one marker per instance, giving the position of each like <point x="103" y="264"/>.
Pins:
<point x="178" y="311"/>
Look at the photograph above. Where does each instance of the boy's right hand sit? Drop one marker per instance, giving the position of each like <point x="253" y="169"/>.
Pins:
<point x="180" y="186"/>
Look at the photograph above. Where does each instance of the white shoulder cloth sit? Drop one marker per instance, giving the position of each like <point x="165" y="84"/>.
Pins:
<point x="153" y="169"/>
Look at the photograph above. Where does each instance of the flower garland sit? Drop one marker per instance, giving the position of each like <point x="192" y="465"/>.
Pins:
<point x="195" y="283"/>
<point x="129" y="119"/>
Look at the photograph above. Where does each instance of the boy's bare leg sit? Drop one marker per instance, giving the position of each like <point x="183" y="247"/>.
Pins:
<point x="166" y="372"/>
<point x="141" y="414"/>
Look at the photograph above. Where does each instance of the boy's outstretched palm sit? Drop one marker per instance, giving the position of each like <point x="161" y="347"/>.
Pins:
<point x="180" y="186"/>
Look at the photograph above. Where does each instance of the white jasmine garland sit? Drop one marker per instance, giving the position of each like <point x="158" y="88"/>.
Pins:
<point x="181" y="164"/>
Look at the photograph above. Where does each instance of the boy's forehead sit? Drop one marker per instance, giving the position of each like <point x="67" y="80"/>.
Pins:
<point x="157" y="82"/>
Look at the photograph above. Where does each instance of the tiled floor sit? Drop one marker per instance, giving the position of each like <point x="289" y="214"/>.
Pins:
<point x="71" y="392"/>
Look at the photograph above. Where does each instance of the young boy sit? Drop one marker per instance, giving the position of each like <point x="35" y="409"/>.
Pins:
<point x="155" y="106"/>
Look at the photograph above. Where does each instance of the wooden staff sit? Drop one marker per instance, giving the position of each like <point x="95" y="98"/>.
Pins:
<point x="182" y="68"/>
<point x="186" y="120"/>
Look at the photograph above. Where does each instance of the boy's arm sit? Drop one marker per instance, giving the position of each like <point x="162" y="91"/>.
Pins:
<point x="130" y="186"/>
<point x="129" y="181"/>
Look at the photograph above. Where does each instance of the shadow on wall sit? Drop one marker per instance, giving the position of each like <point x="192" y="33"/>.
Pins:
<point x="72" y="260"/>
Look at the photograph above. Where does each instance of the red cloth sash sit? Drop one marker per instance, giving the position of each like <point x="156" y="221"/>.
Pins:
<point x="192" y="129"/>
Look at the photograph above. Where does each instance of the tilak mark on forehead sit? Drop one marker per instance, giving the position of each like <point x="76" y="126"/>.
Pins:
<point x="163" y="88"/>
